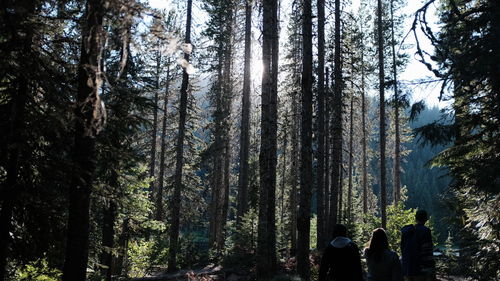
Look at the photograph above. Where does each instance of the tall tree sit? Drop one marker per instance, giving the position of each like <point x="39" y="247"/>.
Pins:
<point x="320" y="187"/>
<point x="179" y="152"/>
<point x="336" y="167"/>
<point x="266" y="244"/>
<point x="245" y="117"/>
<point x="159" y="192"/>
<point x="383" y="171"/>
<point x="397" y="135"/>
<point x="304" y="218"/>
<point x="89" y="119"/>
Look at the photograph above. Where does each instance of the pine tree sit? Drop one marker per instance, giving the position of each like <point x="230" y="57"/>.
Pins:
<point x="266" y="245"/>
<point x="380" y="41"/>
<point x="179" y="155"/>
<point x="304" y="217"/>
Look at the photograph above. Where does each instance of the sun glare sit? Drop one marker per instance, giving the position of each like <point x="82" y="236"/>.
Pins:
<point x="256" y="69"/>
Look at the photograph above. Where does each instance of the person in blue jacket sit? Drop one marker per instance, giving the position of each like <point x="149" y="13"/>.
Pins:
<point x="417" y="250"/>
<point x="341" y="260"/>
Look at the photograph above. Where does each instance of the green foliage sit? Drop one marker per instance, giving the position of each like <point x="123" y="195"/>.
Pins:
<point x="38" y="270"/>
<point x="245" y="242"/>
<point x="139" y="257"/>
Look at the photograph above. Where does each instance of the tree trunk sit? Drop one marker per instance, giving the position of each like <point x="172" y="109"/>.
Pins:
<point x="179" y="154"/>
<point x="363" y="139"/>
<point x="108" y="234"/>
<point x="245" y="118"/>
<point x="294" y="178"/>
<point x="152" y="164"/>
<point x="283" y="176"/>
<point x="326" y="200"/>
<point x="304" y="219"/>
<point x="351" y="156"/>
<point x="321" y="124"/>
<point x="159" y="194"/>
<point x="266" y="244"/>
<point x="337" y="126"/>
<point x="397" y="149"/>
<point x="88" y="113"/>
<point x="383" y="195"/>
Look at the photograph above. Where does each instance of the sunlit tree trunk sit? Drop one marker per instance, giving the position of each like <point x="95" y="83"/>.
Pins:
<point x="179" y="154"/>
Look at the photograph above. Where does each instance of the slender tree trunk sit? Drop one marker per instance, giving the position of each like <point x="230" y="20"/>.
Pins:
<point x="121" y="260"/>
<point x="304" y="219"/>
<point x="327" y="159"/>
<point x="88" y="113"/>
<point x="159" y="194"/>
<point x="245" y="118"/>
<point x="108" y="234"/>
<point x="351" y="160"/>
<point x="363" y="139"/>
<point x="321" y="125"/>
<point x="294" y="178"/>
<point x="283" y="176"/>
<point x="383" y="192"/>
<point x="335" y="193"/>
<point x="152" y="164"/>
<point x="228" y="96"/>
<point x="179" y="157"/>
<point x="266" y="244"/>
<point x="397" y="141"/>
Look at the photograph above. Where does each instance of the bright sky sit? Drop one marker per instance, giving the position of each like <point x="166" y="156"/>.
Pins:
<point x="414" y="71"/>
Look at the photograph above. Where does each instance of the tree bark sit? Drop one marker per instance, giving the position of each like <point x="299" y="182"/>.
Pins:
<point x="152" y="164"/>
<point x="351" y="160"/>
<point x="337" y="126"/>
<point x="108" y="234"/>
<point x="304" y="219"/>
<point x="245" y="118"/>
<point x="326" y="203"/>
<point x="179" y="154"/>
<point x="88" y="113"/>
<point x="397" y="142"/>
<point x="321" y="124"/>
<point x="363" y="139"/>
<point x="159" y="193"/>
<point x="383" y="193"/>
<point x="266" y="244"/>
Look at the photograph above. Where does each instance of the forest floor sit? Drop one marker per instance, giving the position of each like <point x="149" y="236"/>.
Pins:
<point x="216" y="272"/>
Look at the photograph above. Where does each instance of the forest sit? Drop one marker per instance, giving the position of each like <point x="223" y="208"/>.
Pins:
<point x="227" y="139"/>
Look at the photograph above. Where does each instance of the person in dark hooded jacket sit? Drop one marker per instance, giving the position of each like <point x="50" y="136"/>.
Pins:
<point x="341" y="260"/>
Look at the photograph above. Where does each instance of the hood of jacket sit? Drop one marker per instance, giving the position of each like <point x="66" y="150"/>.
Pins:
<point x="340" y="242"/>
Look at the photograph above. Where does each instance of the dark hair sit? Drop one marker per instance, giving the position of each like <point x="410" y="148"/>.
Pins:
<point x="339" y="230"/>
<point x="378" y="243"/>
<point x="421" y="216"/>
